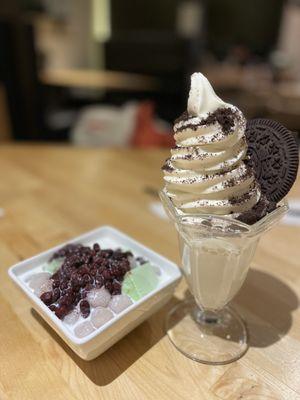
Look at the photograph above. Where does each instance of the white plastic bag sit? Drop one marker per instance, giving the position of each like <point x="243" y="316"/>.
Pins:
<point x="105" y="126"/>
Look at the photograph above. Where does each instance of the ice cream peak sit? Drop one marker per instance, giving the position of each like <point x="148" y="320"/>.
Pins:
<point x="206" y="172"/>
<point x="202" y="97"/>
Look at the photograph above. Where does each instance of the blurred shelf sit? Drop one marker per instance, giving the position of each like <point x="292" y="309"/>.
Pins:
<point x="107" y="80"/>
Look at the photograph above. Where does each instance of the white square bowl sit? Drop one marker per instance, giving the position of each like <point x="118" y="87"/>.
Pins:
<point x="101" y="339"/>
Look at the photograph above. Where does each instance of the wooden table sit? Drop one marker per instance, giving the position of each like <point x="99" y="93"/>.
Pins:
<point x="51" y="194"/>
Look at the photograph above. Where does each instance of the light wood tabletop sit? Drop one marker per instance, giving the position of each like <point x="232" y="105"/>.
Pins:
<point x="53" y="193"/>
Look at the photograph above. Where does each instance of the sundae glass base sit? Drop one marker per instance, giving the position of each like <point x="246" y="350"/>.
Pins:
<point x="205" y="336"/>
<point x="216" y="252"/>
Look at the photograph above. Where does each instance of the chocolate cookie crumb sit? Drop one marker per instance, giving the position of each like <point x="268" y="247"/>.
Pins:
<point x="260" y="210"/>
<point x="224" y="116"/>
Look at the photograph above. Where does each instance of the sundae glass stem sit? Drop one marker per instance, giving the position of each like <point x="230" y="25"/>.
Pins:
<point x="207" y="317"/>
<point x="207" y="336"/>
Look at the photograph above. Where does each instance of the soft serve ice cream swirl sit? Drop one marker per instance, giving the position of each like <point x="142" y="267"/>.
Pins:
<point x="206" y="172"/>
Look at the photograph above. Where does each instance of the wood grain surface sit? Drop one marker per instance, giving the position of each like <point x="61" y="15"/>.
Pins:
<point x="51" y="194"/>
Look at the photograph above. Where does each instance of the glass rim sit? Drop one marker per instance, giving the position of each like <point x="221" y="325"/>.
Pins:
<point x="233" y="225"/>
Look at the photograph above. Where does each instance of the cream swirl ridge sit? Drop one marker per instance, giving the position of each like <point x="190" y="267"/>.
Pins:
<point x="206" y="172"/>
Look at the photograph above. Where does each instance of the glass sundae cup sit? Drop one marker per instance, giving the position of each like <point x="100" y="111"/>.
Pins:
<point x="216" y="252"/>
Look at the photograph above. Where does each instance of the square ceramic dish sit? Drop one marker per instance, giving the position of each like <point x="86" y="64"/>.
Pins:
<point x="100" y="340"/>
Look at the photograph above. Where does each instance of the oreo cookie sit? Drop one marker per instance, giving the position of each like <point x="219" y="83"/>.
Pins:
<point x="273" y="155"/>
<point x="261" y="209"/>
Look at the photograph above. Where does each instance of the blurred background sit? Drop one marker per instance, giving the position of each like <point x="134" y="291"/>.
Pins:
<point x="116" y="73"/>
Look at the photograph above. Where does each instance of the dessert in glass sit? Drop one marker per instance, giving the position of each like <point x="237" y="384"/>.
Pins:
<point x="220" y="194"/>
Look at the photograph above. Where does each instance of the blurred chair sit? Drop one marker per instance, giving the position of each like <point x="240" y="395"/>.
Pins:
<point x="284" y="105"/>
<point x="289" y="36"/>
<point x="253" y="25"/>
<point x="162" y="56"/>
<point x="156" y="54"/>
<point x="5" y="127"/>
<point x="19" y="77"/>
<point x="150" y="40"/>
